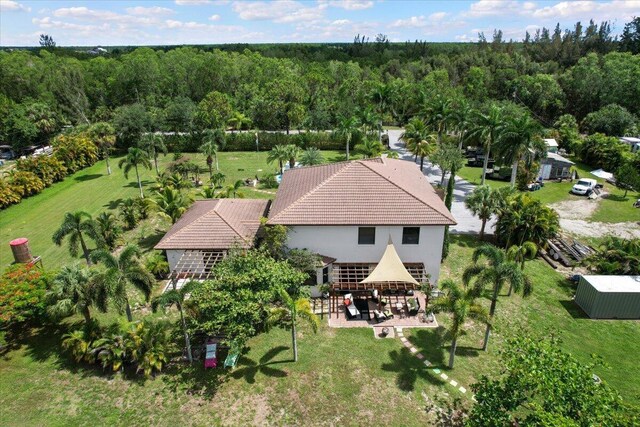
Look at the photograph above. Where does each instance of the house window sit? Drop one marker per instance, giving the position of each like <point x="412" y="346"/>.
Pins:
<point x="410" y="235"/>
<point x="325" y="275"/>
<point x="366" y="235"/>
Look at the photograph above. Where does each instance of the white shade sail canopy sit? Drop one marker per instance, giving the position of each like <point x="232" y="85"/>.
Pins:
<point x="390" y="269"/>
<point x="602" y="174"/>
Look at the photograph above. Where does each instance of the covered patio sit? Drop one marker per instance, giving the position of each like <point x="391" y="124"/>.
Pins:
<point x="389" y="293"/>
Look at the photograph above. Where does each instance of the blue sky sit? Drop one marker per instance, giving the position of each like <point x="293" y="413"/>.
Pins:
<point x="160" y="22"/>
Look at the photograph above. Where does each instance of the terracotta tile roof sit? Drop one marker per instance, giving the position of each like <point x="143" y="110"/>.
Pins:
<point x="216" y="224"/>
<point x="361" y="192"/>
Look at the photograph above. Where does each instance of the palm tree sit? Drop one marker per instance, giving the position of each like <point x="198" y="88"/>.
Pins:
<point x="495" y="273"/>
<point x="217" y="180"/>
<point x="462" y="121"/>
<point x="523" y="218"/>
<point x="120" y="273"/>
<point x="104" y="137"/>
<point x="157" y="264"/>
<point x="369" y="120"/>
<point x="382" y="96"/>
<point x="311" y="156"/>
<point x="460" y="302"/>
<point x="172" y="203"/>
<point x="280" y="154"/>
<point x="416" y="132"/>
<point x="439" y="114"/>
<point x="154" y="144"/>
<point x="177" y="297"/>
<point x="288" y="314"/>
<point x="233" y="190"/>
<point x="129" y="213"/>
<point x="520" y="138"/>
<point x="369" y="148"/>
<point x="109" y="229"/>
<point x="77" y="225"/>
<point x="482" y="203"/>
<point x="135" y="157"/>
<point x="213" y="140"/>
<point x="488" y="127"/>
<point x="347" y="129"/>
<point x="293" y="152"/>
<point x="424" y="149"/>
<point x="74" y="291"/>
<point x="238" y="121"/>
<point x="521" y="253"/>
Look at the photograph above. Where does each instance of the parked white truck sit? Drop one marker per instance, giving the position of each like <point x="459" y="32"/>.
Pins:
<point x="584" y="186"/>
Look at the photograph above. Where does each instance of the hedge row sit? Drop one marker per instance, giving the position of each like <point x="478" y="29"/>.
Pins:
<point x="246" y="141"/>
<point x="33" y="174"/>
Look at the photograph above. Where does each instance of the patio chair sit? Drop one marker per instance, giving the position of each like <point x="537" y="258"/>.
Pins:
<point x="388" y="314"/>
<point x="379" y="316"/>
<point x="351" y="309"/>
<point x="211" y="358"/>
<point x="413" y="306"/>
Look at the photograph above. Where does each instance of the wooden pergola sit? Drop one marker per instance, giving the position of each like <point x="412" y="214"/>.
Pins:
<point x="194" y="265"/>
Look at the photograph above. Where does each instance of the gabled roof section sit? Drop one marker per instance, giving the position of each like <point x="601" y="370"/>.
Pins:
<point x="360" y="192"/>
<point x="216" y="224"/>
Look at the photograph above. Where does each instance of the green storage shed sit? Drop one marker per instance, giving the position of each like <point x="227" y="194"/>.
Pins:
<point x="609" y="297"/>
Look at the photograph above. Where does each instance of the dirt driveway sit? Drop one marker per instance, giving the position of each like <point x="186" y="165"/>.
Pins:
<point x="573" y="212"/>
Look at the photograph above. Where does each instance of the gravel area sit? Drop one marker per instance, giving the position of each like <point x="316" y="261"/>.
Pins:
<point x="573" y="212"/>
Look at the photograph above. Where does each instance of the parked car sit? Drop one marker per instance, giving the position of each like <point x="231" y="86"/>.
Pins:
<point x="584" y="186"/>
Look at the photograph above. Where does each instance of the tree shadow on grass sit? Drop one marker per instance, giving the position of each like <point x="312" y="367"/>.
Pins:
<point x="134" y="184"/>
<point x="149" y="242"/>
<point x="616" y="197"/>
<point x="194" y="379"/>
<point x="251" y="368"/>
<point x="113" y="204"/>
<point x="408" y="369"/>
<point x="435" y="344"/>
<point x="89" y="177"/>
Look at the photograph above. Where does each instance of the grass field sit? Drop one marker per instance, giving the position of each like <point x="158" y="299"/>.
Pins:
<point x="344" y="376"/>
<point x="93" y="191"/>
<point x="613" y="208"/>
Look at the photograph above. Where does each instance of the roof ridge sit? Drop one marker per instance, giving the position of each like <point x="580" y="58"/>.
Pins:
<point x="197" y="220"/>
<point x="215" y="209"/>
<point x="314" y="189"/>
<point x="404" y="190"/>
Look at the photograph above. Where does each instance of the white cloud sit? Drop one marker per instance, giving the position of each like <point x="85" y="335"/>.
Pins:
<point x="285" y="11"/>
<point x="192" y="2"/>
<point x="484" y="8"/>
<point x="155" y="10"/>
<point x="214" y="18"/>
<point x="351" y="4"/>
<point x="576" y="10"/>
<point x="13" y="6"/>
<point x="420" y="21"/>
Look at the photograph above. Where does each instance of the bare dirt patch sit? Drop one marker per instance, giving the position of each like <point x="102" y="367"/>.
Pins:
<point x="573" y="214"/>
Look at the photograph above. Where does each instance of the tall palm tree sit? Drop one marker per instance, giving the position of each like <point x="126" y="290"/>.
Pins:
<point x="177" y="297"/>
<point x="482" y="203"/>
<point x="424" y="148"/>
<point x="172" y="203"/>
<point x="288" y="314"/>
<point x="347" y="128"/>
<point x="369" y="148"/>
<point x="488" y="128"/>
<point x="154" y="144"/>
<point x="520" y="139"/>
<point x="382" y="96"/>
<point x="104" y="137"/>
<point x="416" y="132"/>
<point x="494" y="274"/>
<point x="293" y="152"/>
<point x="121" y="272"/>
<point x="438" y="113"/>
<point x="108" y="228"/>
<point x="311" y="156"/>
<point x="213" y="140"/>
<point x="74" y="291"/>
<point x="460" y="302"/>
<point x="135" y="157"/>
<point x="77" y="225"/>
<point x="462" y="121"/>
<point x="280" y="154"/>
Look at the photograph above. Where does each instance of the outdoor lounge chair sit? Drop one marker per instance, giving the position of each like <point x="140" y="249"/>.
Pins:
<point x="413" y="306"/>
<point x="211" y="358"/>
<point x="380" y="316"/>
<point x="351" y="309"/>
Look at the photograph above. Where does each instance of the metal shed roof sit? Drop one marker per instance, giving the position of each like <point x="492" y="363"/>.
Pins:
<point x="626" y="284"/>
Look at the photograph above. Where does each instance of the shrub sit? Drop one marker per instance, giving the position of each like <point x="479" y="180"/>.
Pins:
<point x="48" y="168"/>
<point x="76" y="151"/>
<point x="8" y="195"/>
<point x="606" y="152"/>
<point x="522" y="218"/>
<point x="22" y="294"/>
<point x="612" y="120"/>
<point x="269" y="181"/>
<point x="26" y="183"/>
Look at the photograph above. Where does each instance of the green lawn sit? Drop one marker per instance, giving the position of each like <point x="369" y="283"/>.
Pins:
<point x="613" y="208"/>
<point x="549" y="310"/>
<point x="344" y="376"/>
<point x="94" y="191"/>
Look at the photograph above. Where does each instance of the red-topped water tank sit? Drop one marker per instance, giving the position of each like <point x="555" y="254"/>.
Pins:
<point x="20" y="249"/>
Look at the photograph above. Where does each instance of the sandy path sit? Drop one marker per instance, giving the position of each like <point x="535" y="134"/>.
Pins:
<point x="573" y="212"/>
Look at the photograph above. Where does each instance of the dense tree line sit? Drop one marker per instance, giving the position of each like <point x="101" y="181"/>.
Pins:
<point x="281" y="87"/>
